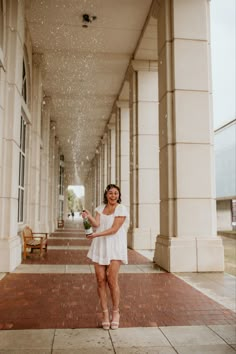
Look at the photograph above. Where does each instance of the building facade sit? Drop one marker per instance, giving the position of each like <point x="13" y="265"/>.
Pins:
<point x="157" y="140"/>
<point x="225" y="155"/>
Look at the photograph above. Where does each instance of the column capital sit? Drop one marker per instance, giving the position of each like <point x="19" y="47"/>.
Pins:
<point x="122" y="104"/>
<point x="46" y="105"/>
<point x="112" y="120"/>
<point x="104" y="138"/>
<point x="144" y="65"/>
<point x="111" y="125"/>
<point x="47" y="100"/>
<point x="37" y="59"/>
<point x="53" y="125"/>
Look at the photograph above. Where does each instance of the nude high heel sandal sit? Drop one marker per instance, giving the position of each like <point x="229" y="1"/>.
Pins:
<point x="115" y="324"/>
<point x="106" y="324"/>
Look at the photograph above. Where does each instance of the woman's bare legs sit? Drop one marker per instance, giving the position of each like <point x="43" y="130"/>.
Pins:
<point x="112" y="278"/>
<point x="101" y="275"/>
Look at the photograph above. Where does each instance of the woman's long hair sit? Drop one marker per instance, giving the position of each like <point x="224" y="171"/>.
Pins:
<point x="110" y="186"/>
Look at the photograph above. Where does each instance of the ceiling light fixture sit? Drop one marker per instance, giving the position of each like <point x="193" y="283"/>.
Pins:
<point x="88" y="19"/>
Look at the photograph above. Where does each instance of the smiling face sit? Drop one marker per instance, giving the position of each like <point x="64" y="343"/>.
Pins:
<point x="112" y="195"/>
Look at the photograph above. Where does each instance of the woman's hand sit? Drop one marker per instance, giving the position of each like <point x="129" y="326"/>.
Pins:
<point x="94" y="221"/>
<point x="91" y="236"/>
<point x="85" y="213"/>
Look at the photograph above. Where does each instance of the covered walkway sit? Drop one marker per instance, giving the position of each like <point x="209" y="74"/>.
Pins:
<point x="53" y="304"/>
<point x="122" y="98"/>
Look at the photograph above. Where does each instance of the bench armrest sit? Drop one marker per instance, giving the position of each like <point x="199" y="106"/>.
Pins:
<point x="43" y="234"/>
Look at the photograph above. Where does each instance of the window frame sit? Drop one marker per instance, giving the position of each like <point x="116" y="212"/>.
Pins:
<point x="3" y="32"/>
<point x="22" y="174"/>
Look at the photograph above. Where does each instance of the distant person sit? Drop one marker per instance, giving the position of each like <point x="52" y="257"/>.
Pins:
<point x="72" y="214"/>
<point x="109" y="249"/>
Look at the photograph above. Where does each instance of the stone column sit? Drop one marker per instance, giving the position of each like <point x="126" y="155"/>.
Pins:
<point x="90" y="188"/>
<point x="34" y="210"/>
<point x="187" y="240"/>
<point x="124" y="135"/>
<point x="104" y="162"/>
<point x="10" y="122"/>
<point x="52" y="173"/>
<point x="144" y="155"/>
<point x="65" y="212"/>
<point x="98" y="176"/>
<point x="56" y="181"/>
<point x="117" y="146"/>
<point x="93" y="205"/>
<point x="44" y="174"/>
<point x="112" y="151"/>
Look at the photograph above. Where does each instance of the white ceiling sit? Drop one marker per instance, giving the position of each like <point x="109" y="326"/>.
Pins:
<point x="84" y="68"/>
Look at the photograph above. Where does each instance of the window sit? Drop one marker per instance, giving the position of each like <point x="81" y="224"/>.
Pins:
<point x="24" y="83"/>
<point x="21" y="170"/>
<point x="22" y="149"/>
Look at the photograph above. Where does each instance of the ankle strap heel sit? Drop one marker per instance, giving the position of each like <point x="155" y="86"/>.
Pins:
<point x="115" y="324"/>
<point x="105" y="324"/>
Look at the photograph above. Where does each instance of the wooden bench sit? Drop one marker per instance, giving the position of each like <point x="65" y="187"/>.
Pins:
<point x="34" y="240"/>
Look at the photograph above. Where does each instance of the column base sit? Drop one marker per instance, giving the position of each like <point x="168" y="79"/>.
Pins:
<point x="142" y="238"/>
<point x="10" y="254"/>
<point x="194" y="255"/>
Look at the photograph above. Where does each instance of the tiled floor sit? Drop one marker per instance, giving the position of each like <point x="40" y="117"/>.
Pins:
<point x="70" y="301"/>
<point x="149" y="340"/>
<point x="51" y="306"/>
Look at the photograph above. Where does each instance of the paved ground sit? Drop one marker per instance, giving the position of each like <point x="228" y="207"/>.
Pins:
<point x="51" y="306"/>
<point x="230" y="254"/>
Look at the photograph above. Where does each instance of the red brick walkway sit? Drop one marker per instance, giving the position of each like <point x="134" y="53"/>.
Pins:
<point x="70" y="300"/>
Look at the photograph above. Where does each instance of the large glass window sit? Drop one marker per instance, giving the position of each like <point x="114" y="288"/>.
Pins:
<point x="24" y="83"/>
<point x="21" y="188"/>
<point x="22" y="151"/>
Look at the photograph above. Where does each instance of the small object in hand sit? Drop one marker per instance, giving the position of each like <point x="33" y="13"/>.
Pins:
<point x="87" y="226"/>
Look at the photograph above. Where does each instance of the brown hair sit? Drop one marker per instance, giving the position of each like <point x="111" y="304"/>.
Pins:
<point x="110" y="186"/>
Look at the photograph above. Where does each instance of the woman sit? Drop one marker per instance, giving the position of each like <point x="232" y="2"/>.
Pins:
<point x="109" y="249"/>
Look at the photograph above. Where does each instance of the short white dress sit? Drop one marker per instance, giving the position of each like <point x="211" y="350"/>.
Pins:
<point x="103" y="249"/>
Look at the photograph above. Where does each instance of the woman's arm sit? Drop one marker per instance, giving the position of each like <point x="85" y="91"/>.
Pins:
<point x="94" y="221"/>
<point x="118" y="222"/>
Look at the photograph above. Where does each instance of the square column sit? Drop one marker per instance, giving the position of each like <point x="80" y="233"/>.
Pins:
<point x="117" y="147"/>
<point x="187" y="240"/>
<point x="144" y="155"/>
<point x="90" y="187"/>
<point x="112" y="150"/>
<point x="52" y="179"/>
<point x="35" y="153"/>
<point x="98" y="176"/>
<point x="104" y="163"/>
<point x="10" y="123"/>
<point x="44" y="201"/>
<point x="124" y="181"/>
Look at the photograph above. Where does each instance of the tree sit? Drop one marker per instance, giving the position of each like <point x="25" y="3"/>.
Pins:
<point x="78" y="204"/>
<point x="71" y="199"/>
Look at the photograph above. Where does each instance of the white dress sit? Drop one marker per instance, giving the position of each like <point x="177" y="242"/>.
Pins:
<point x="106" y="248"/>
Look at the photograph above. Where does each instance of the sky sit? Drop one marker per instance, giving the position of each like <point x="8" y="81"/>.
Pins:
<point x="79" y="190"/>
<point x="223" y="57"/>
